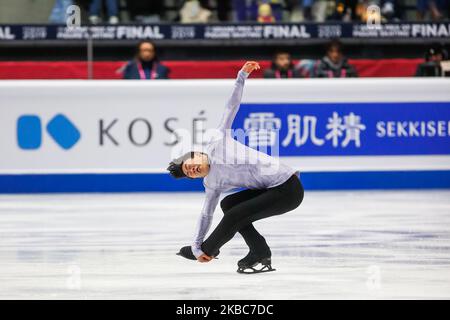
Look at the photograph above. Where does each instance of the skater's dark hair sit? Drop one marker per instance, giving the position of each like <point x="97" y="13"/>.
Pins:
<point x="175" y="167"/>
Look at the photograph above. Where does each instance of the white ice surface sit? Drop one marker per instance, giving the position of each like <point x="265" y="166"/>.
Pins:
<point x="363" y="245"/>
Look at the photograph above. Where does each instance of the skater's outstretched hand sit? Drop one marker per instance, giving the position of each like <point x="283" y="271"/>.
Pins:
<point x="250" y="66"/>
<point x="204" y="258"/>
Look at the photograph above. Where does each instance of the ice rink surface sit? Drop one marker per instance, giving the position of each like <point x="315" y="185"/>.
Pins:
<point x="336" y="245"/>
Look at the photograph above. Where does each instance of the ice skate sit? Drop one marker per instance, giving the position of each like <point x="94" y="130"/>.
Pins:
<point x="254" y="263"/>
<point x="186" y="252"/>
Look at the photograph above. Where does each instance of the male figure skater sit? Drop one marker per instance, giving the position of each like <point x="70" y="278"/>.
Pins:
<point x="271" y="188"/>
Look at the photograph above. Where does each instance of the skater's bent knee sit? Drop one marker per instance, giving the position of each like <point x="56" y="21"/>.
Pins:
<point x="226" y="204"/>
<point x="231" y="217"/>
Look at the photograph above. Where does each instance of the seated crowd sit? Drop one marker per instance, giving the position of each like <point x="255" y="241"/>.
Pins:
<point x="146" y="65"/>
<point x="263" y="11"/>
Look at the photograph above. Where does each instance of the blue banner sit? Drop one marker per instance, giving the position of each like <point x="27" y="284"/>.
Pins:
<point x="333" y="129"/>
<point x="244" y="31"/>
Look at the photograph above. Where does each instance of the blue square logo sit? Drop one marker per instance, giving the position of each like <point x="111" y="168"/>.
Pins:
<point x="29" y="132"/>
<point x="63" y="131"/>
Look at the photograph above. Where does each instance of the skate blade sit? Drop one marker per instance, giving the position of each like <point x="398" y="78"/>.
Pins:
<point x="252" y="270"/>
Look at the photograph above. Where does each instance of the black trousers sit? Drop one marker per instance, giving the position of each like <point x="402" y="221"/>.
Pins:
<point x="241" y="209"/>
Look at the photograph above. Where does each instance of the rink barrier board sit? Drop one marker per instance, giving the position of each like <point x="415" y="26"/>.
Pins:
<point x="80" y="133"/>
<point x="77" y="153"/>
<point x="145" y="182"/>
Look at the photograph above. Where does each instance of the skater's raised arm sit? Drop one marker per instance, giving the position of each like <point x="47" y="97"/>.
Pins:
<point x="204" y="221"/>
<point x="234" y="101"/>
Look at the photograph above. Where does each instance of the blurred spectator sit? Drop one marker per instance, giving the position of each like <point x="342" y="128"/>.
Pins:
<point x="58" y="14"/>
<point x="432" y="65"/>
<point x="344" y="10"/>
<point x="265" y="13"/>
<point x="145" y="65"/>
<point x="307" y="9"/>
<point x="258" y="10"/>
<point x="311" y="10"/>
<point x="145" y="11"/>
<point x="193" y="12"/>
<point x="389" y="10"/>
<point x="435" y="7"/>
<point x="222" y="10"/>
<point x="386" y="10"/>
<point x="245" y="10"/>
<point x="282" y="67"/>
<point x="334" y="64"/>
<point x="307" y="68"/>
<point x="277" y="8"/>
<point x="112" y="7"/>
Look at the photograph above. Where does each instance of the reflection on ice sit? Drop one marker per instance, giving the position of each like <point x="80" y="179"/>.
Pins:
<point x="383" y="244"/>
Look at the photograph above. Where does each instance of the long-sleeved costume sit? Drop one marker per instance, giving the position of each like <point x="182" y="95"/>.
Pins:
<point x="234" y="165"/>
